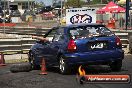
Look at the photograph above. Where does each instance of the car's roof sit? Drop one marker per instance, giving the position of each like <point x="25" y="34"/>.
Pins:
<point x="73" y="25"/>
<point x="83" y="24"/>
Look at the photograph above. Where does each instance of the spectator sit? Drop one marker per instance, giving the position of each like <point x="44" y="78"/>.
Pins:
<point x="121" y="22"/>
<point x="111" y="23"/>
<point x="59" y="12"/>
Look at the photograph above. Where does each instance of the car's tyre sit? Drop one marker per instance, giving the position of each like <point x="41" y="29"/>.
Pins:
<point x="21" y="67"/>
<point x="116" y="65"/>
<point x="63" y="66"/>
<point x="31" y="60"/>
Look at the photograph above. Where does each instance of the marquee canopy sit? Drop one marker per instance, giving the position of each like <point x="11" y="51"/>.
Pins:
<point x="111" y="7"/>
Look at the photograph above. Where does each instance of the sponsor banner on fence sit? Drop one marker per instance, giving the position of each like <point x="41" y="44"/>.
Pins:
<point x="80" y="15"/>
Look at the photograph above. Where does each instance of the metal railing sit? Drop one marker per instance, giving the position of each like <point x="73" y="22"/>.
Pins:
<point x="23" y="43"/>
<point x="123" y="35"/>
<point x="24" y="31"/>
<point x="13" y="46"/>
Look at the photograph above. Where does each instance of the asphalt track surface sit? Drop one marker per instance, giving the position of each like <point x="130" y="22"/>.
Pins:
<point x="32" y="79"/>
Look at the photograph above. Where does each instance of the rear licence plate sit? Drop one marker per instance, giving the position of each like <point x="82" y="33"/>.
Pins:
<point x="97" y="45"/>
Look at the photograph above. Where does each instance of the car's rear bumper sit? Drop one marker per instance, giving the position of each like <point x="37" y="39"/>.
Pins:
<point x="94" y="57"/>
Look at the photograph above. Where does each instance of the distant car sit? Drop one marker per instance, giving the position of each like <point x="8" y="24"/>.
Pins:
<point x="28" y="13"/>
<point x="45" y="9"/>
<point x="78" y="44"/>
<point x="1" y="20"/>
<point x="7" y="19"/>
<point x="48" y="15"/>
<point x="37" y="10"/>
<point x="1" y="12"/>
<point x="15" y="13"/>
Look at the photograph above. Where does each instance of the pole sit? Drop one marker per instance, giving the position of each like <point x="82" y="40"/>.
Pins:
<point x="131" y="20"/>
<point x="61" y="10"/>
<point x="127" y="12"/>
<point x="101" y="1"/>
<point x="28" y="5"/>
<point x="28" y="9"/>
<point x="64" y="4"/>
<point x="4" y="16"/>
<point x="8" y="5"/>
<point x="78" y="3"/>
<point x="64" y="8"/>
<point x="0" y="3"/>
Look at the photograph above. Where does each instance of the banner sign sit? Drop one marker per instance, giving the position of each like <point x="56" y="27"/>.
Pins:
<point x="80" y="15"/>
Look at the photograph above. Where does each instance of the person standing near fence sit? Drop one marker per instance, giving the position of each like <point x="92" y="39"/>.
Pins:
<point x="121" y="22"/>
<point x="111" y="23"/>
<point x="131" y="20"/>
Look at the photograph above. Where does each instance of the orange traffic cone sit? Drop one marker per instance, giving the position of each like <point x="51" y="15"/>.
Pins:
<point x="43" y="68"/>
<point x="2" y="60"/>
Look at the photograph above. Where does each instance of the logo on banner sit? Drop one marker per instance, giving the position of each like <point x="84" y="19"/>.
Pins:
<point x="81" y="18"/>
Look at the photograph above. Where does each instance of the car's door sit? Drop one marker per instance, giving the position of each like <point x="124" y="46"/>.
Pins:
<point x="57" y="44"/>
<point x="47" y="50"/>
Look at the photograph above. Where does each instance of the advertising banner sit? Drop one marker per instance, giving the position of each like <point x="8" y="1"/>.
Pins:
<point x="80" y="15"/>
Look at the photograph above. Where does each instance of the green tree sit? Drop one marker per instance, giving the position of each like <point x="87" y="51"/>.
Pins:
<point x="39" y="4"/>
<point x="96" y="2"/>
<point x="100" y="1"/>
<point x="74" y="3"/>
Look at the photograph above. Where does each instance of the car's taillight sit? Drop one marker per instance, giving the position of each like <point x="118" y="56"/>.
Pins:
<point x="72" y="46"/>
<point x="118" y="41"/>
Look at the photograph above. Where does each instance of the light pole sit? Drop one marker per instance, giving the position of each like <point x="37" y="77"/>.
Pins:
<point x="0" y="3"/>
<point x="4" y="15"/>
<point x="78" y="2"/>
<point x="131" y="20"/>
<point x="101" y="1"/>
<point x="127" y="12"/>
<point x="61" y="9"/>
<point x="28" y="5"/>
<point x="8" y="5"/>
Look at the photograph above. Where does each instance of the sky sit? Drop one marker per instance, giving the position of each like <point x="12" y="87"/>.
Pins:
<point x="46" y="2"/>
<point x="49" y="2"/>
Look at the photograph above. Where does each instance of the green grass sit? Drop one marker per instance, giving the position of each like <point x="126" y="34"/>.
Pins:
<point x="16" y="60"/>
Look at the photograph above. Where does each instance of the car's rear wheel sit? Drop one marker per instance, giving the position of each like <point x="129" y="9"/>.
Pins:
<point x="116" y="65"/>
<point x="63" y="66"/>
<point x="32" y="61"/>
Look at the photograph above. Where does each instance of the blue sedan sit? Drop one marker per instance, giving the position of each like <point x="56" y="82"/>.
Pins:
<point x="78" y="44"/>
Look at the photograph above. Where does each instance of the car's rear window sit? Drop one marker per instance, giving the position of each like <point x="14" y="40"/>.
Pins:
<point x="89" y="31"/>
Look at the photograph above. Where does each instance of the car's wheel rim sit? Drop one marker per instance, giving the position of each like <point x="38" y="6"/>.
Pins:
<point x="62" y="65"/>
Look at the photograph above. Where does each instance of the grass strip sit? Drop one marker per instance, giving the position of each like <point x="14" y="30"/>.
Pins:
<point x="16" y="60"/>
